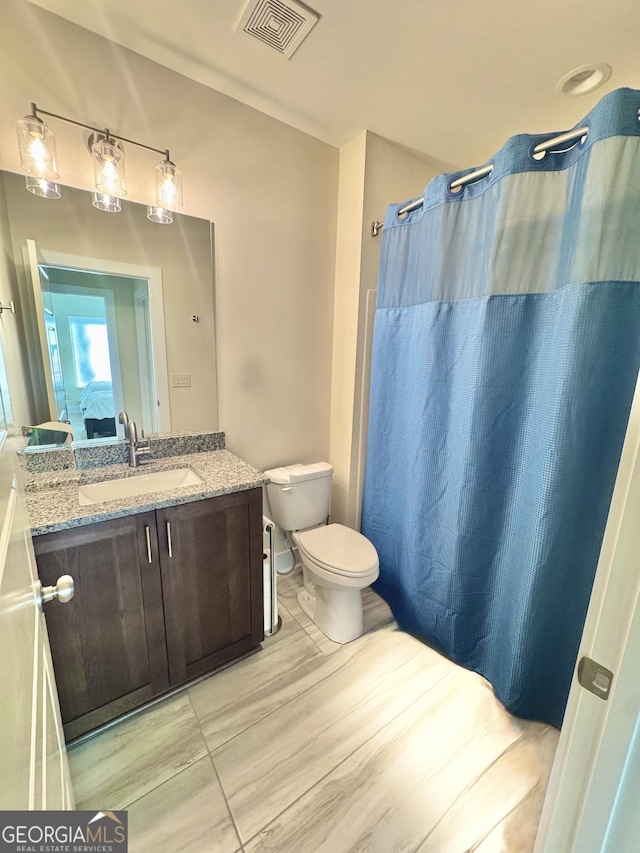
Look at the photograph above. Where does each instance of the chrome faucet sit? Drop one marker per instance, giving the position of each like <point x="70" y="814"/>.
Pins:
<point x="138" y="448"/>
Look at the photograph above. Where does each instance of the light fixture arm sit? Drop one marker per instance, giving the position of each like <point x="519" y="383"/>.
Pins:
<point x="35" y="111"/>
<point x="38" y="159"/>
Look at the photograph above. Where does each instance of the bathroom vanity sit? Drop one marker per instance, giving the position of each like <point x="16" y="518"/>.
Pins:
<point x="168" y="584"/>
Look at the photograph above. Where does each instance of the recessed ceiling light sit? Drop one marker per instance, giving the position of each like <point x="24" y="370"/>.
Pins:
<point x="584" y="79"/>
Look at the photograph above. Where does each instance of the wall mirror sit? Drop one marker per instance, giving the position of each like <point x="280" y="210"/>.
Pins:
<point x="116" y="313"/>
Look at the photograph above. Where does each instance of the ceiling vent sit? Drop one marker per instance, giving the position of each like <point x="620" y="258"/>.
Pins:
<point x="280" y="24"/>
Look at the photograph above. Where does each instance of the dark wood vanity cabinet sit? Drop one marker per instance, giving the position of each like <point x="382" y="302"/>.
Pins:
<point x="161" y="597"/>
<point x="211" y="565"/>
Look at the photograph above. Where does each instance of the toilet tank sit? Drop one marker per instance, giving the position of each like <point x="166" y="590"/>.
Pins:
<point x="299" y="495"/>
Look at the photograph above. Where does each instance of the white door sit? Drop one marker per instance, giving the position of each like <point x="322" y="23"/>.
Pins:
<point x="592" y="801"/>
<point x="34" y="773"/>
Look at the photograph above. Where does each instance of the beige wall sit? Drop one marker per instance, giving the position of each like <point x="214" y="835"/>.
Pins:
<point x="374" y="172"/>
<point x="270" y="190"/>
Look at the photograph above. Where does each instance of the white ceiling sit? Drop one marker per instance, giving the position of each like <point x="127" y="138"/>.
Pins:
<point x="450" y="79"/>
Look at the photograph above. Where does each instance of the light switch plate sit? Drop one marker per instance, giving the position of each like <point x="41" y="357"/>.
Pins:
<point x="181" y="380"/>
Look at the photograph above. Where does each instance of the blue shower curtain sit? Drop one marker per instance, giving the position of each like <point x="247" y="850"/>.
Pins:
<point x="506" y="350"/>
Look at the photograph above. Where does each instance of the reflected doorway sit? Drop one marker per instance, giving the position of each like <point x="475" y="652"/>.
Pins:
<point x="82" y="337"/>
<point x="87" y="313"/>
<point x="102" y="341"/>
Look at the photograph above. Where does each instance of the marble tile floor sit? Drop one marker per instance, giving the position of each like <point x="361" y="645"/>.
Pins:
<point x="378" y="746"/>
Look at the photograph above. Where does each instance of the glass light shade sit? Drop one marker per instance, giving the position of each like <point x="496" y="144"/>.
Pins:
<point x="42" y="187"/>
<point x="169" y="186"/>
<point x="106" y="202"/>
<point x="37" y="144"/>
<point x="108" y="165"/>
<point x="159" y="214"/>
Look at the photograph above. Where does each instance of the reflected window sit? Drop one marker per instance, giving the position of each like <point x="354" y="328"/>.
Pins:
<point x="90" y="345"/>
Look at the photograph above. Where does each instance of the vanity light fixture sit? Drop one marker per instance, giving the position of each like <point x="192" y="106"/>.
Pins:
<point x="168" y="185"/>
<point x="37" y="146"/>
<point x="108" y="164"/>
<point x="159" y="214"/>
<point x="106" y="202"/>
<point x="38" y="159"/>
<point x="41" y="187"/>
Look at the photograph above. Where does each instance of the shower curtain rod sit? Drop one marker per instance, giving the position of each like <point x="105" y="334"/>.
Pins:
<point x="549" y="145"/>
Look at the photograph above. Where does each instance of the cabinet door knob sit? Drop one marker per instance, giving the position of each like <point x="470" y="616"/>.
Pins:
<point x="63" y="591"/>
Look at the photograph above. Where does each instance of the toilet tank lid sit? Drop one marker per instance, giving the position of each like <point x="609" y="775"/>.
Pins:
<point x="297" y="473"/>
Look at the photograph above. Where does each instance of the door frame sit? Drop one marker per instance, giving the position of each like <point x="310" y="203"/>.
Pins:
<point x="145" y="356"/>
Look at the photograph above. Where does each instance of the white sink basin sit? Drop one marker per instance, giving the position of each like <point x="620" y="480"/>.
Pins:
<point x="140" y="484"/>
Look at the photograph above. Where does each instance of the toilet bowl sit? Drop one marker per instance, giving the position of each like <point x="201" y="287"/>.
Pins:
<point x="338" y="562"/>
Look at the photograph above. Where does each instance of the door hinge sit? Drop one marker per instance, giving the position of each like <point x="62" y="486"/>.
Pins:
<point x="595" y="678"/>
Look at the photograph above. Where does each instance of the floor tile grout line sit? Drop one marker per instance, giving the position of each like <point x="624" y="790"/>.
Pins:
<point x="204" y="741"/>
<point x="318" y="644"/>
<point x="255" y="722"/>
<point x="227" y="803"/>
<point x="294" y="616"/>
<point x="387" y="740"/>
<point x="298" y="798"/>
<point x="177" y="772"/>
<point x="164" y="781"/>
<point x="197" y="719"/>
<point x="208" y="752"/>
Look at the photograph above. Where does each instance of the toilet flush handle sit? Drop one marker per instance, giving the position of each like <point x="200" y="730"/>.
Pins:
<point x="288" y="489"/>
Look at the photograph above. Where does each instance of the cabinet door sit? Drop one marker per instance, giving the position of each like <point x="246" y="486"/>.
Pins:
<point x="211" y="559"/>
<point x="107" y="643"/>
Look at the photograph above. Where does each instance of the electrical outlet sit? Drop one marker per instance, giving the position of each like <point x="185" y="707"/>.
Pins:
<point x="181" y="380"/>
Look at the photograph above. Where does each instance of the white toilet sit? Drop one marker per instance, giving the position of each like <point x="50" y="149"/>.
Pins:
<point x="338" y="562"/>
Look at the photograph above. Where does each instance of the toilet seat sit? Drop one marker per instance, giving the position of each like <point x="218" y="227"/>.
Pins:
<point x="338" y="549"/>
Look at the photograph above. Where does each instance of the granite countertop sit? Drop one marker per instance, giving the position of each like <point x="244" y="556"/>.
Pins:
<point x="52" y="497"/>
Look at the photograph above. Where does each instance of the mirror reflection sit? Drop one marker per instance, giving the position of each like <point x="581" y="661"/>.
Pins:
<point x="82" y="311"/>
<point x="117" y="313"/>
